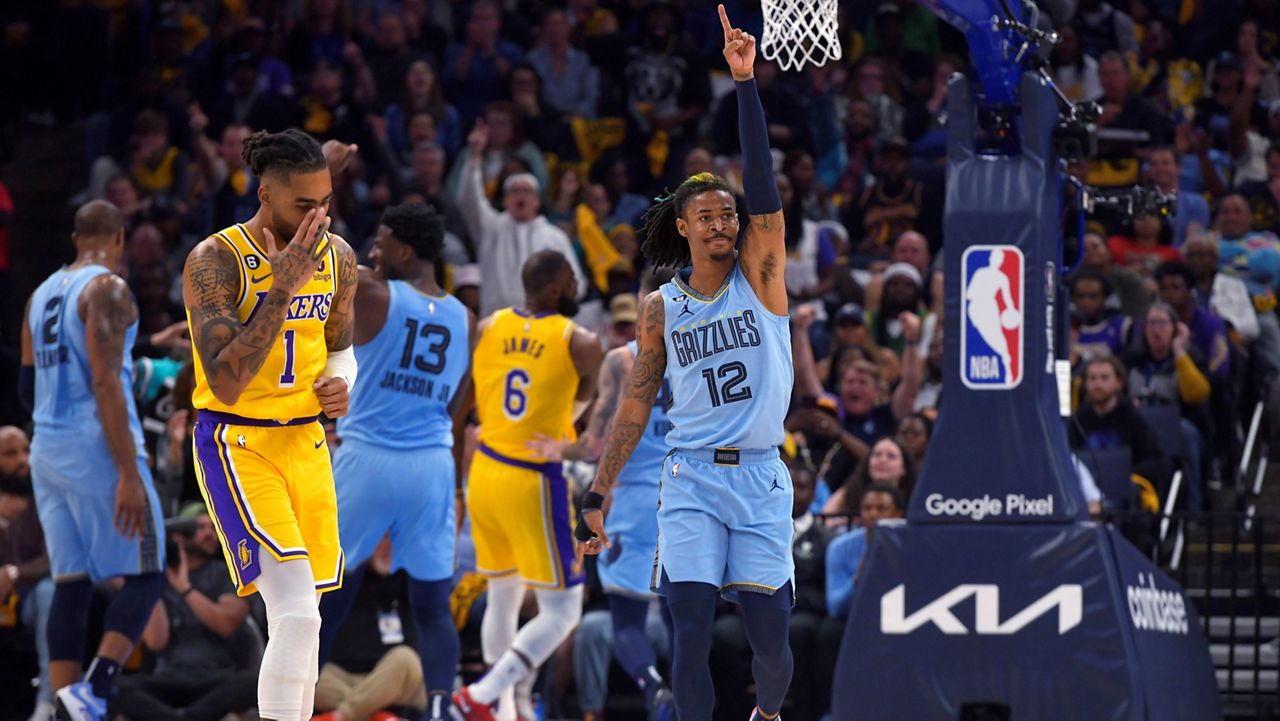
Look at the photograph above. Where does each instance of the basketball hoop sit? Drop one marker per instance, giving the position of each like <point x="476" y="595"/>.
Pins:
<point x="800" y="31"/>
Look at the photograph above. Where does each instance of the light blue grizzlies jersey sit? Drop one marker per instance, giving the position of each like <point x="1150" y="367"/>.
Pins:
<point x="410" y="372"/>
<point x="65" y="406"/>
<point x="729" y="363"/>
<point x="645" y="464"/>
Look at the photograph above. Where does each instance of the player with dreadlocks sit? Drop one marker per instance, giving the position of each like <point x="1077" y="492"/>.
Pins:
<point x="270" y="308"/>
<point x="719" y="332"/>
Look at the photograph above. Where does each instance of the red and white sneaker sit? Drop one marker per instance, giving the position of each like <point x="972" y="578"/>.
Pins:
<point x="469" y="709"/>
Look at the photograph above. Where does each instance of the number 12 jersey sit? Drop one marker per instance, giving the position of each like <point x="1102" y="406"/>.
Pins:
<point x="729" y="364"/>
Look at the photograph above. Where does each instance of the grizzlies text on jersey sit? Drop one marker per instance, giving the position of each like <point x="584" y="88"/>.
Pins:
<point x="729" y="363"/>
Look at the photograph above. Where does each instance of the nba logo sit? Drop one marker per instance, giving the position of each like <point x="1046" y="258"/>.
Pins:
<point x="991" y="318"/>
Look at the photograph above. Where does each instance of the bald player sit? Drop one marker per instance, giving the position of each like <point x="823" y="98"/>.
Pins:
<point x="93" y="490"/>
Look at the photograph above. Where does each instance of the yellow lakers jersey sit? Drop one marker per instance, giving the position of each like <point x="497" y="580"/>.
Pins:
<point x="525" y="381"/>
<point x="282" y="388"/>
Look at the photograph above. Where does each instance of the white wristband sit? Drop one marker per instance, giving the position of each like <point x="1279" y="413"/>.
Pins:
<point x="342" y="364"/>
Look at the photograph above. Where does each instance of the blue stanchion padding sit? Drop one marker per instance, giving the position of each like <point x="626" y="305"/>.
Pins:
<point x="999" y="452"/>
<point x="1034" y="617"/>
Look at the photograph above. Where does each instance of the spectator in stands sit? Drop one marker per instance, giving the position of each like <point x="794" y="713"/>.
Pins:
<point x="1106" y="419"/>
<point x="476" y="68"/>
<point x="668" y="89"/>
<point x="846" y="553"/>
<point x="871" y="84"/>
<point x="1097" y="331"/>
<point x="887" y="464"/>
<point x="811" y="252"/>
<point x="322" y="35"/>
<point x="1208" y="332"/>
<point x="1101" y="28"/>
<point x="913" y="435"/>
<point x="570" y="83"/>
<point x="887" y="209"/>
<point x="1166" y="370"/>
<point x="249" y="99"/>
<point x="374" y="665"/>
<point x="924" y="119"/>
<point x="930" y="393"/>
<point x="158" y="169"/>
<point x="1162" y="170"/>
<point x="903" y="290"/>
<point x="1258" y="52"/>
<point x="1172" y="83"/>
<point x="911" y="248"/>
<point x="420" y="93"/>
<point x="504" y="141"/>
<point x="26" y="589"/>
<point x="611" y="172"/>
<point x="1144" y="243"/>
<point x="907" y="71"/>
<point x="1129" y="294"/>
<point x="545" y="126"/>
<point x="849" y="330"/>
<point x="1117" y="162"/>
<point x="1074" y="72"/>
<point x="505" y="240"/>
<point x="798" y="165"/>
<point x="391" y="56"/>
<point x="206" y="665"/>
<point x="1231" y="88"/>
<point x="1227" y="297"/>
<point x="788" y="121"/>
<point x="230" y="185"/>
<point x="1264" y="196"/>
<point x="860" y="137"/>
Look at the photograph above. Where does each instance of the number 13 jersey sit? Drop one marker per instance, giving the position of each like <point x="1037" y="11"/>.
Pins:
<point x="729" y="363"/>
<point x="525" y="381"/>
<point x="410" y="372"/>
<point x="282" y="389"/>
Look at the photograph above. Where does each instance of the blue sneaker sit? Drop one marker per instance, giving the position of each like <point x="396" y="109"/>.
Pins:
<point x="77" y="703"/>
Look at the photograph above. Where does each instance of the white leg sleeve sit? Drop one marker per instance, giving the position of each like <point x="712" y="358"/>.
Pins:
<point x="293" y="626"/>
<point x="558" y="614"/>
<point x="501" y="616"/>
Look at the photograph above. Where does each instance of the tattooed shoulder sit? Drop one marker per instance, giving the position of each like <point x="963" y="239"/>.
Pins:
<point x="212" y="278"/>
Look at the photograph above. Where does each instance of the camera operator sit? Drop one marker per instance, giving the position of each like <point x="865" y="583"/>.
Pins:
<point x="197" y="632"/>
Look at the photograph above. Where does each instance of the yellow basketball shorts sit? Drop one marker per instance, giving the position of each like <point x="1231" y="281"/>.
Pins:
<point x="269" y="488"/>
<point x="521" y="520"/>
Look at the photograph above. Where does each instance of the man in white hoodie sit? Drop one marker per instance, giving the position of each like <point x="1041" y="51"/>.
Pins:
<point x="505" y="240"/>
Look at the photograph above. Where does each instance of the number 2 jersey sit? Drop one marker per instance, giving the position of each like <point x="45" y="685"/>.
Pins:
<point x="410" y="372"/>
<point x="525" y="381"/>
<point x="282" y="389"/>
<point x="65" y="405"/>
<point x="729" y="364"/>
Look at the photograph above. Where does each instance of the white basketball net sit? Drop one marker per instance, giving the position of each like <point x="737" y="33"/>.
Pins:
<point x="800" y="31"/>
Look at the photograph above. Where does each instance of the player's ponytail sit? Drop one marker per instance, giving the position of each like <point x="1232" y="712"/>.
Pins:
<point x="663" y="245"/>
<point x="290" y="151"/>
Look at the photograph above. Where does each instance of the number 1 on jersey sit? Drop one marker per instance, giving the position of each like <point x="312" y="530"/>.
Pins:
<point x="287" y="378"/>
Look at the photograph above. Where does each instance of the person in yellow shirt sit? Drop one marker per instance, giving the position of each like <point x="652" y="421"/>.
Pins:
<point x="534" y="372"/>
<point x="271" y="324"/>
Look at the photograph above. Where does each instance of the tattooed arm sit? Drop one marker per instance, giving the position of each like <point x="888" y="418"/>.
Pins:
<point x="609" y="387"/>
<point x="107" y="309"/>
<point x="637" y="400"/>
<point x="339" y="328"/>
<point x="231" y="353"/>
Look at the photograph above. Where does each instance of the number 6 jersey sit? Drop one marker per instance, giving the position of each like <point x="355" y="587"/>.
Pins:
<point x="410" y="372"/>
<point x="729" y="363"/>
<point x="525" y="381"/>
<point x="282" y="389"/>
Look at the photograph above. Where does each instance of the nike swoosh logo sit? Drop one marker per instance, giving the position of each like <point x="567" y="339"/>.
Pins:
<point x="259" y="279"/>
<point x="319" y="443"/>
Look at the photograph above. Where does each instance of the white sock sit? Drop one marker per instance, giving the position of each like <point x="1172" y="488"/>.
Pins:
<point x="502" y="677"/>
<point x="558" y="614"/>
<point x="288" y="590"/>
